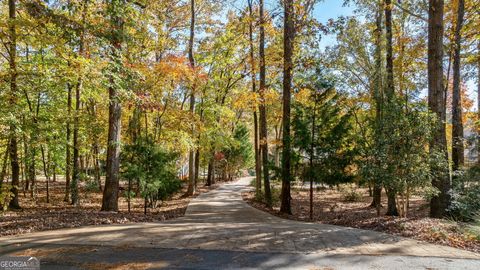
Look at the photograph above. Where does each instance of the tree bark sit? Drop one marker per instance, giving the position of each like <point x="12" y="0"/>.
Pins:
<point x="191" y="154"/>
<point x="389" y="88"/>
<point x="288" y="38"/>
<point x="378" y="98"/>
<point x="312" y="154"/>
<point x="390" y="94"/>
<point x="436" y="103"/>
<point x="210" y="172"/>
<point x="25" y="160"/>
<point x="68" y="154"/>
<point x="32" y="173"/>
<point x="4" y="165"/>
<point x="76" y="157"/>
<point x="262" y="110"/>
<point x="110" y="191"/>
<point x="197" y="166"/>
<point x="478" y="99"/>
<point x="96" y="147"/>
<point x="391" y="209"/>
<point x="76" y="119"/>
<point x="46" y="169"/>
<point x="457" y="123"/>
<point x="15" y="168"/>
<point x="258" y="168"/>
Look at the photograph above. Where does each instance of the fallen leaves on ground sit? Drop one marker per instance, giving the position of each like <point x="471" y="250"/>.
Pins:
<point x="37" y="215"/>
<point x="330" y="208"/>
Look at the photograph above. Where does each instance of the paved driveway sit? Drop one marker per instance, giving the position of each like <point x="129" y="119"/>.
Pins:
<point x="221" y="221"/>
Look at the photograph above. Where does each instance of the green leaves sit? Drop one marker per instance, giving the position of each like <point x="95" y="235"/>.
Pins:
<point x="322" y="131"/>
<point x="399" y="157"/>
<point x="152" y="167"/>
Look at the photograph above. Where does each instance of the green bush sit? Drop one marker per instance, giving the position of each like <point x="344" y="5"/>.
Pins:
<point x="153" y="168"/>
<point x="465" y="204"/>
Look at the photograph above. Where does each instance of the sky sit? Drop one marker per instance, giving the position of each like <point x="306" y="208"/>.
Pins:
<point x="323" y="11"/>
<point x="330" y="9"/>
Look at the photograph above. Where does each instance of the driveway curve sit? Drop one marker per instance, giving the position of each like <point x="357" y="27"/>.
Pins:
<point x="221" y="220"/>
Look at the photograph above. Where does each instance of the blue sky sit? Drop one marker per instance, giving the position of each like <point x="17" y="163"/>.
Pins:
<point x="324" y="10"/>
<point x="330" y="9"/>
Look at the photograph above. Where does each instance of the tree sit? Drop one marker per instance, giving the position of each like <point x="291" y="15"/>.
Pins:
<point x="258" y="168"/>
<point x="378" y="101"/>
<point x="457" y="121"/>
<point x="389" y="87"/>
<point x="13" y="147"/>
<point x="76" y="122"/>
<point x="191" y="154"/>
<point x="116" y="9"/>
<point x="478" y="98"/>
<point x="288" y="38"/>
<point x="390" y="93"/>
<point x="321" y="128"/>
<point x="436" y="103"/>
<point x="262" y="109"/>
<point x="68" y="135"/>
<point x="153" y="168"/>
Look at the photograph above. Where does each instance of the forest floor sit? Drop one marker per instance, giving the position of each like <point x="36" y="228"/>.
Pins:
<point x="331" y="207"/>
<point x="38" y="215"/>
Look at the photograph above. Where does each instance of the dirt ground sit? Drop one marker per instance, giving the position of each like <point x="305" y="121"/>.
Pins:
<point x="38" y="215"/>
<point x="330" y="207"/>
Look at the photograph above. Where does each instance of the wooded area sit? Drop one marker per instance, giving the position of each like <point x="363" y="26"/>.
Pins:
<point x="142" y="100"/>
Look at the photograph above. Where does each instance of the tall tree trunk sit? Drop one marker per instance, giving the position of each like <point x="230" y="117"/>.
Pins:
<point x="389" y="88"/>
<point x="96" y="153"/>
<point x="110" y="191"/>
<point x="3" y="173"/>
<point x="278" y="136"/>
<point x="197" y="166"/>
<point x="25" y="160"/>
<point x="391" y="209"/>
<point x="54" y="172"/>
<point x="32" y="173"/>
<point x="312" y="154"/>
<point x="76" y="119"/>
<point x="436" y="103"/>
<point x="68" y="157"/>
<point x="258" y="168"/>
<point x="210" y="172"/>
<point x="76" y="157"/>
<point x="390" y="93"/>
<point x="197" y="152"/>
<point x="15" y="168"/>
<point x="288" y="37"/>
<point x="191" y="154"/>
<point x="378" y="98"/>
<point x="478" y="99"/>
<point x="262" y="109"/>
<point x="214" y="171"/>
<point x="457" y="123"/>
<point x="95" y="146"/>
<point x="46" y="170"/>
